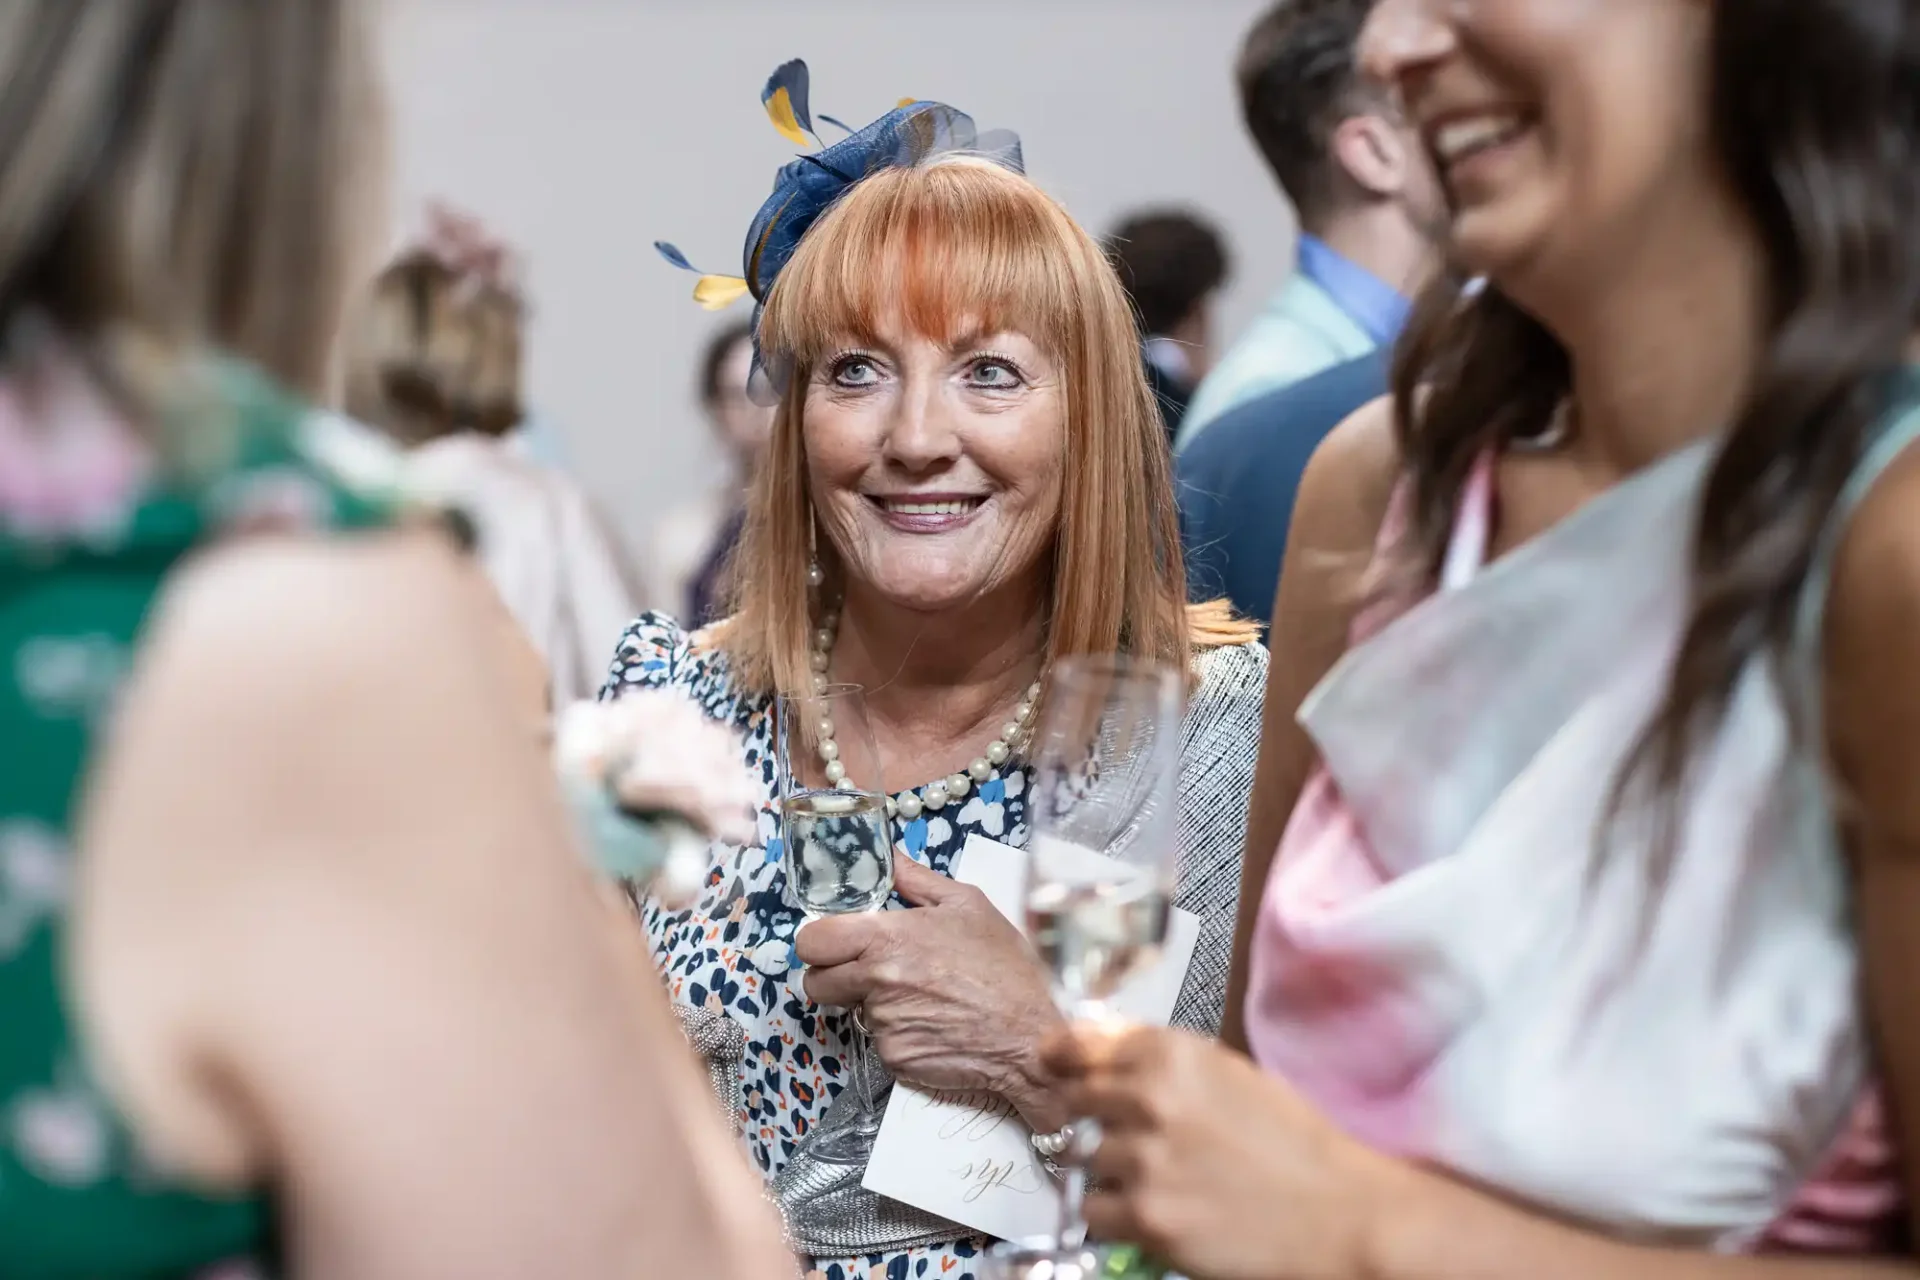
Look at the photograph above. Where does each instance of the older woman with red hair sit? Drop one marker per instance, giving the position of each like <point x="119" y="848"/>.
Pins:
<point x="966" y="484"/>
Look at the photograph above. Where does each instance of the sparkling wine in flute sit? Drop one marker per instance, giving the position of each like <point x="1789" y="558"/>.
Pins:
<point x="839" y="857"/>
<point x="1095" y="935"/>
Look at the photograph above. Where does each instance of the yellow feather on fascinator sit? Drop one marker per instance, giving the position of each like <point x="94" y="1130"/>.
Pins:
<point x="717" y="293"/>
<point x="808" y="185"/>
<point x="785" y="98"/>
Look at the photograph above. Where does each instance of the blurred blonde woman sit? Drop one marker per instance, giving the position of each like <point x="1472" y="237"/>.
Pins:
<point x="300" y="973"/>
<point x="434" y="362"/>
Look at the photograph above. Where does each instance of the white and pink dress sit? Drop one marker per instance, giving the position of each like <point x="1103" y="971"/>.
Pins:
<point x="1445" y="966"/>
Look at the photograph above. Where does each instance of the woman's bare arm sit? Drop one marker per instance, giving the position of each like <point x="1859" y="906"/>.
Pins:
<point x="334" y="935"/>
<point x="1336" y="520"/>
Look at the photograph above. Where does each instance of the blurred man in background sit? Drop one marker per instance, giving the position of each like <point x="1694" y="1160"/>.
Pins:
<point x="1369" y="206"/>
<point x="1174" y="264"/>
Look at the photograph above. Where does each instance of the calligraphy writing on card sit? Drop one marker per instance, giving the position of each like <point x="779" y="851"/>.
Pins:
<point x="966" y="1156"/>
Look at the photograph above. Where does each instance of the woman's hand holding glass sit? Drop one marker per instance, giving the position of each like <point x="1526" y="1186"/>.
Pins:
<point x="837" y="856"/>
<point x="951" y="993"/>
<point x="1101" y="866"/>
<point x="1214" y="1166"/>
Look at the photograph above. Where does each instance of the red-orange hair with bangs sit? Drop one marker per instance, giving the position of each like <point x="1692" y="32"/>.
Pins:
<point x="963" y="241"/>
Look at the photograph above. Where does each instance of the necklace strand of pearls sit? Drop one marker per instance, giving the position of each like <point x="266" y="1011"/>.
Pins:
<point x="935" y="795"/>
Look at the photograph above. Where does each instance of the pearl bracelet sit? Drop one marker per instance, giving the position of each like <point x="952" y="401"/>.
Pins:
<point x="1051" y="1145"/>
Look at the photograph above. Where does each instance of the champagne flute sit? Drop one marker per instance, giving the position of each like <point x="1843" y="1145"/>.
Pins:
<point x="837" y="852"/>
<point x="1101" y="862"/>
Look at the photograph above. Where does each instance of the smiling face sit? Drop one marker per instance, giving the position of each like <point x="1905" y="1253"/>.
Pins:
<point x="935" y="466"/>
<point x="1560" y="128"/>
<point x="963" y="414"/>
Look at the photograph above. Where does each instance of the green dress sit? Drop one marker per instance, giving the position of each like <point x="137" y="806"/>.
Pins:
<point x="76" y="1198"/>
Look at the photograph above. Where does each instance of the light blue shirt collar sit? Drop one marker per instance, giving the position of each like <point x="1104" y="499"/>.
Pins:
<point x="1374" y="305"/>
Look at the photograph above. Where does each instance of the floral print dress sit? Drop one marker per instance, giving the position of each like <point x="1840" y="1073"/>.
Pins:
<point x="732" y="952"/>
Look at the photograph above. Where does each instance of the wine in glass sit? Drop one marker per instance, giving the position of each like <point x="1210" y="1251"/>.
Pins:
<point x="837" y="855"/>
<point x="1101" y="862"/>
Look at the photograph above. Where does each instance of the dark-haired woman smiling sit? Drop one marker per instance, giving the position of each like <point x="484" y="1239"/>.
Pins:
<point x="1588" y="948"/>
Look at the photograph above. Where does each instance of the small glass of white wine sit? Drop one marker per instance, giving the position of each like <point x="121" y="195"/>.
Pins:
<point x="837" y="855"/>
<point x="1102" y="856"/>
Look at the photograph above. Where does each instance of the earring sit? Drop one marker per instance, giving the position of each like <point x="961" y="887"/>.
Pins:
<point x="815" y="577"/>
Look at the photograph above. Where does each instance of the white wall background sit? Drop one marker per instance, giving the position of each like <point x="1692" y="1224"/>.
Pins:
<point x="583" y="130"/>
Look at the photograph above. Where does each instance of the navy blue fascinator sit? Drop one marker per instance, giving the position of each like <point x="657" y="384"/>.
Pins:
<point x="805" y="188"/>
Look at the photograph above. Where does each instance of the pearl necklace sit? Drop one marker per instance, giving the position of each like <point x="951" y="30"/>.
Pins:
<point x="935" y="795"/>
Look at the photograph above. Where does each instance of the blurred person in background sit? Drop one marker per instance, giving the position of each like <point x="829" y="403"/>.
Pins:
<point x="433" y="360"/>
<point x="1173" y="265"/>
<point x="967" y="481"/>
<point x="301" y="972"/>
<point x="1362" y="188"/>
<point x="693" y="542"/>
<point x="1589" y="950"/>
<point x="540" y="440"/>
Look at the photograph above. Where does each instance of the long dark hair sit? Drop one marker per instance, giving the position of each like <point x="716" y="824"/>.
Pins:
<point x="1816" y="117"/>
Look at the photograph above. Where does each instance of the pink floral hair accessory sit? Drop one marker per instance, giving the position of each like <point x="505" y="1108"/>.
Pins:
<point x="464" y="245"/>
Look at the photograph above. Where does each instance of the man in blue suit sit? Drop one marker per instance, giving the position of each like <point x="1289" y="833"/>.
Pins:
<point x="1369" y="206"/>
<point x="1237" y="483"/>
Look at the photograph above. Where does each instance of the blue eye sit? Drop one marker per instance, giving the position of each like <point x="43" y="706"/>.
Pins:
<point x="854" y="371"/>
<point x="995" y="374"/>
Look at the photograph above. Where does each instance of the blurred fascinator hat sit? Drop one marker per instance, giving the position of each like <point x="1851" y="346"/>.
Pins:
<point x="911" y="134"/>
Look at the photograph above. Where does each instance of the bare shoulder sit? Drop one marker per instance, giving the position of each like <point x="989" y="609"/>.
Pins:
<point x="1337" y="517"/>
<point x="277" y="628"/>
<point x="319" y="737"/>
<point x="1364" y="442"/>
<point x="1350" y="479"/>
<point x="1336" y="521"/>
<point x="1872" y="721"/>
<point x="1872" y="630"/>
<point x="1343" y="502"/>
<point x="333" y="931"/>
<point x="320" y="684"/>
<point x="353" y="610"/>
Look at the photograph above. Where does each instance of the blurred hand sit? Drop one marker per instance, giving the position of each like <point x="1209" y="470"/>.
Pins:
<point x="1222" y="1171"/>
<point x="953" y="996"/>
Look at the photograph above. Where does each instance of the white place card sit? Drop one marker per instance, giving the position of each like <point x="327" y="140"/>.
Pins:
<point x="967" y="1157"/>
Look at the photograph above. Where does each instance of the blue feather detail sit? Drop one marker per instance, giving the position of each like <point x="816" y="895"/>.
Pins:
<point x="827" y="119"/>
<point x="792" y="76"/>
<point x="673" y="255"/>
